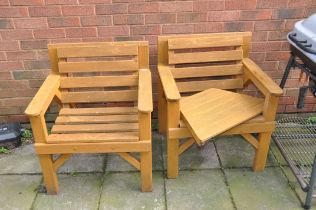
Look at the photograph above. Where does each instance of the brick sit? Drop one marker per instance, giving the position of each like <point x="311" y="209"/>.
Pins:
<point x="266" y="46"/>
<point x="61" y="22"/>
<point x="60" y="2"/>
<point x="129" y="38"/>
<point x="208" y="27"/>
<point x="9" y="45"/>
<point x="199" y="6"/>
<point x="177" y="6"/>
<point x="9" y="84"/>
<point x="240" y="4"/>
<point x="143" y="7"/>
<point x="277" y="56"/>
<point x="260" y="36"/>
<point x="292" y="108"/>
<point x="160" y="18"/>
<point x="49" y="33"/>
<point x="10" y="110"/>
<point x="30" y="23"/>
<point x="31" y="74"/>
<point x="134" y="19"/>
<point x="297" y="3"/>
<point x="16" y="34"/>
<point x="269" y="25"/>
<point x="45" y="11"/>
<point x="81" y="32"/>
<point x="177" y="29"/>
<point x="223" y="16"/>
<point x="238" y="26"/>
<point x="95" y="1"/>
<point x="36" y="64"/>
<point x="277" y="35"/>
<point x="145" y="30"/>
<point x="3" y="56"/>
<point x="26" y="92"/>
<point x="15" y="101"/>
<point x="5" y="23"/>
<point x="191" y="17"/>
<point x="21" y="55"/>
<point x="4" y="3"/>
<point x="78" y="10"/>
<point x="286" y="13"/>
<point x="34" y="44"/>
<point x="13" y="12"/>
<point x="26" y="2"/>
<point x="271" y="3"/>
<point x="42" y="54"/>
<point x="35" y="83"/>
<point x="96" y="20"/>
<point x="14" y="118"/>
<point x="310" y="11"/>
<point x="289" y="24"/>
<point x="258" y="57"/>
<point x="109" y="31"/>
<point x="5" y="76"/>
<point x="256" y="15"/>
<point x="111" y="9"/>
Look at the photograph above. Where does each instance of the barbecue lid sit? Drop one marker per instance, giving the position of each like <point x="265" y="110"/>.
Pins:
<point x="310" y="24"/>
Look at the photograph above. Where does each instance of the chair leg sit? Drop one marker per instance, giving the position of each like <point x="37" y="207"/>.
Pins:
<point x="49" y="174"/>
<point x="146" y="171"/>
<point x="162" y="111"/>
<point x="172" y="158"/>
<point x="262" y="151"/>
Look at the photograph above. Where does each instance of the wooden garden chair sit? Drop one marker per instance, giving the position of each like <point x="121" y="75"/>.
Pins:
<point x="104" y="90"/>
<point x="213" y="64"/>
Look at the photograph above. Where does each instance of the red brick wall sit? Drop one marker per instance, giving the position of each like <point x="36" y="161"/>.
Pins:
<point x="27" y="26"/>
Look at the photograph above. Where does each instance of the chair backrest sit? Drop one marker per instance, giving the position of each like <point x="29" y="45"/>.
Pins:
<point x="100" y="72"/>
<point x="202" y="61"/>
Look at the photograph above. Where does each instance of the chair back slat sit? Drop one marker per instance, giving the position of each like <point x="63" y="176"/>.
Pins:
<point x="202" y="61"/>
<point x="100" y="72"/>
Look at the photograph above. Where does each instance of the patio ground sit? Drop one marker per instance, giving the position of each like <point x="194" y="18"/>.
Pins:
<point x="217" y="176"/>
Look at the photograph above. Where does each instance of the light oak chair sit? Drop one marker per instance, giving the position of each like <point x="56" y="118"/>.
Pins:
<point x="105" y="93"/>
<point x="189" y="64"/>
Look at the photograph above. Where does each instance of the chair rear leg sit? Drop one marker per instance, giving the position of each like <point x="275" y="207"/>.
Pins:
<point x="172" y="158"/>
<point x="262" y="151"/>
<point x="49" y="174"/>
<point x="162" y="111"/>
<point x="146" y="171"/>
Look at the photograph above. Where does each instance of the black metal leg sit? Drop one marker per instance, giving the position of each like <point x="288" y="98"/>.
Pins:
<point x="287" y="70"/>
<point x="309" y="195"/>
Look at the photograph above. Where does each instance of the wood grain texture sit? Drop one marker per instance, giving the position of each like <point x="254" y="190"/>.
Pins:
<point x="215" y="111"/>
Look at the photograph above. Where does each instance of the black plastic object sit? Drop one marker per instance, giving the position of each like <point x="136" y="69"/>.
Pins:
<point x="302" y="44"/>
<point x="10" y="135"/>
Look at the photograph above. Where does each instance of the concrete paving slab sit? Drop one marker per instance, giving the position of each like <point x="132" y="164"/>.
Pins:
<point x="204" y="189"/>
<point x="195" y="157"/>
<point x="18" y="191"/>
<point x="81" y="192"/>
<point x="22" y="160"/>
<point x="265" y="190"/>
<point x="122" y="191"/>
<point x="297" y="187"/>
<point x="116" y="163"/>
<point x="84" y="163"/>
<point x="236" y="152"/>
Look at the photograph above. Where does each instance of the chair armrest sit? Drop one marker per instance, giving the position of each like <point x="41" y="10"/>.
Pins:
<point x="44" y="96"/>
<point x="260" y="79"/>
<point x="145" y="98"/>
<point x="168" y="83"/>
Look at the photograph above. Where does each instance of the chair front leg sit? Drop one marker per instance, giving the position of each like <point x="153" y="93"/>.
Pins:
<point x="49" y="174"/>
<point x="145" y="157"/>
<point x="262" y="151"/>
<point x="173" y="111"/>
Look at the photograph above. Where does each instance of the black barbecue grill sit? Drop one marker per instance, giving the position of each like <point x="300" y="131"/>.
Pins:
<point x="294" y="136"/>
